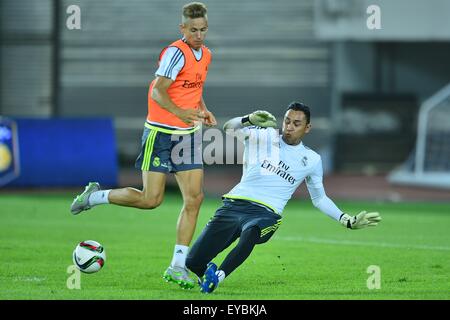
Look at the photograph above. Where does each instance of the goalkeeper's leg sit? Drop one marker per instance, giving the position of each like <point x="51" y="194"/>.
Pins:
<point x="213" y="275"/>
<point x="258" y="233"/>
<point x="216" y="237"/>
<point x="249" y="238"/>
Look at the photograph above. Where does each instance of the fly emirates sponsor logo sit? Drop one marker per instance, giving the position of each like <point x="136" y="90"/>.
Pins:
<point x="198" y="83"/>
<point x="280" y="170"/>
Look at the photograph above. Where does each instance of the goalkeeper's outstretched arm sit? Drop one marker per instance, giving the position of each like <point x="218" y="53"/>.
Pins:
<point x="321" y="201"/>
<point x="326" y="205"/>
<point x="233" y="124"/>
<point x="258" y="118"/>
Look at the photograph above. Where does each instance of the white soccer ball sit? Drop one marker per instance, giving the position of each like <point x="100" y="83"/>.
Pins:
<point x="89" y="256"/>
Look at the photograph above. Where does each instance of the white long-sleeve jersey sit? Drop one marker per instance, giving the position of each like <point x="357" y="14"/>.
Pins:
<point x="273" y="170"/>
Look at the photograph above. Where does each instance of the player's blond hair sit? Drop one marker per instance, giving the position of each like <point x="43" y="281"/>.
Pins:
<point x="194" y="10"/>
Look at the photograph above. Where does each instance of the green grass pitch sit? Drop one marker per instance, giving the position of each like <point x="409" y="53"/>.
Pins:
<point x="310" y="257"/>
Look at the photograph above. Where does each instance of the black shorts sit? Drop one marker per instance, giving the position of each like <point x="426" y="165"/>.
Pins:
<point x="239" y="215"/>
<point x="166" y="152"/>
<point x="229" y="221"/>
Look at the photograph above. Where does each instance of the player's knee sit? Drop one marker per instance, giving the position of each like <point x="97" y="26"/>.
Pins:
<point x="251" y="235"/>
<point x="193" y="202"/>
<point x="151" y="203"/>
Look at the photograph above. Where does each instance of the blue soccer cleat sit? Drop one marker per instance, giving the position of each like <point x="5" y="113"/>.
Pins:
<point x="210" y="279"/>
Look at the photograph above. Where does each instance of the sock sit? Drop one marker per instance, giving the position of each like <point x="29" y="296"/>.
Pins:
<point x="179" y="256"/>
<point x="221" y="275"/>
<point x="99" y="197"/>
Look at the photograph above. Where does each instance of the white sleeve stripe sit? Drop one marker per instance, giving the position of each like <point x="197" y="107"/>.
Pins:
<point x="173" y="62"/>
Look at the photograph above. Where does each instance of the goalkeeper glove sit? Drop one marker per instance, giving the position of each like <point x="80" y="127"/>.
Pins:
<point x="259" y="118"/>
<point x="361" y="220"/>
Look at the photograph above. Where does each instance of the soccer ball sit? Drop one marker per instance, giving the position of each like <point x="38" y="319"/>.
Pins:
<point x="89" y="256"/>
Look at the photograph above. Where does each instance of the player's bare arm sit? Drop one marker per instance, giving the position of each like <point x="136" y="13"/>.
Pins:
<point x="160" y="95"/>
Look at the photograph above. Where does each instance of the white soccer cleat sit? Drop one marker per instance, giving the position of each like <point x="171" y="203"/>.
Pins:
<point x="81" y="202"/>
<point x="179" y="276"/>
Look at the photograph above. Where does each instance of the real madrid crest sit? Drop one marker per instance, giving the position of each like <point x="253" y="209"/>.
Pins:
<point x="305" y="161"/>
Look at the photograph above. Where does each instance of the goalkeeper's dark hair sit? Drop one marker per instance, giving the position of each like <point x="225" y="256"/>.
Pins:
<point x="298" y="106"/>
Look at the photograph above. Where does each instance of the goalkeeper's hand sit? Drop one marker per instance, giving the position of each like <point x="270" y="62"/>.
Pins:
<point x="361" y="220"/>
<point x="260" y="118"/>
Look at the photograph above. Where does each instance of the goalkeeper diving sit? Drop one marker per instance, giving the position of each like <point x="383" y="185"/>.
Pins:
<point x="274" y="166"/>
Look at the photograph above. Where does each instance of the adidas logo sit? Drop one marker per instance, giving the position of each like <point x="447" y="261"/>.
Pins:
<point x="180" y="251"/>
